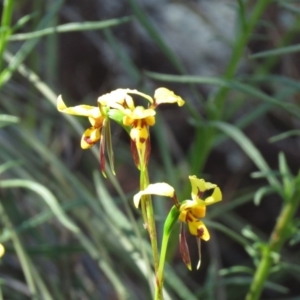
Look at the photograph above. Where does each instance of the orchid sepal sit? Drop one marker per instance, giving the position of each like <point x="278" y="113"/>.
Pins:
<point x="160" y="189"/>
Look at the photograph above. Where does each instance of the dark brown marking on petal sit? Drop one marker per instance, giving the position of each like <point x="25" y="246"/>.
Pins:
<point x="143" y="123"/>
<point x="189" y="218"/>
<point x="102" y="156"/>
<point x="88" y="140"/>
<point x="134" y="153"/>
<point x="183" y="248"/>
<point x="200" y="232"/>
<point x="142" y="140"/>
<point x="175" y="200"/>
<point x="199" y="194"/>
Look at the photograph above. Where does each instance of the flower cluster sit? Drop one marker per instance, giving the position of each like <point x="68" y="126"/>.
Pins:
<point x="119" y="106"/>
<point x="190" y="211"/>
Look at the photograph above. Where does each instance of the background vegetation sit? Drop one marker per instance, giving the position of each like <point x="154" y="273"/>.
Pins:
<point x="71" y="234"/>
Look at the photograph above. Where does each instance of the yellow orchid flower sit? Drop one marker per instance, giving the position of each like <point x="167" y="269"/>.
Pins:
<point x="138" y="117"/>
<point x="99" y="131"/>
<point x="2" y="250"/>
<point x="193" y="210"/>
<point x="190" y="211"/>
<point x="91" y="135"/>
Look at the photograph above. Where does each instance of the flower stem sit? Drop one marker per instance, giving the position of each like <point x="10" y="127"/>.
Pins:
<point x="168" y="226"/>
<point x="279" y="235"/>
<point x="160" y="271"/>
<point x="148" y="214"/>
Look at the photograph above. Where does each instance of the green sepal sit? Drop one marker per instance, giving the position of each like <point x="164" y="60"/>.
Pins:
<point x="171" y="219"/>
<point x="168" y="226"/>
<point x="117" y="116"/>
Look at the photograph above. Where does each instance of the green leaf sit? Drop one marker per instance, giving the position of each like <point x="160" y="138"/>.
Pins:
<point x="249" y="148"/>
<point x="236" y="269"/>
<point x="70" y="27"/>
<point x="287" y="178"/>
<point x="233" y="84"/>
<point x="284" y="135"/>
<point x="171" y="219"/>
<point x="46" y="195"/>
<point x="9" y="164"/>
<point x="6" y="120"/>
<point x="261" y="193"/>
<point x="279" y="51"/>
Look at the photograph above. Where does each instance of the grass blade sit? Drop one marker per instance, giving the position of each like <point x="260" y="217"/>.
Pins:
<point x="70" y="27"/>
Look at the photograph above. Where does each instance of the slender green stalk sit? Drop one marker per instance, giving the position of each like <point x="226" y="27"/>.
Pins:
<point x="8" y="6"/>
<point x="279" y="235"/>
<point x="147" y="209"/>
<point x="168" y="226"/>
<point x="74" y="26"/>
<point x="150" y="222"/>
<point x="160" y="271"/>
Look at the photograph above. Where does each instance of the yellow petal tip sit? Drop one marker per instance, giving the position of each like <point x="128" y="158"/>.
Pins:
<point x="2" y="250"/>
<point x="60" y="104"/>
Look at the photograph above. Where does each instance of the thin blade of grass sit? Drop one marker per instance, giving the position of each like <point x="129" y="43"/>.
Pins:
<point x="242" y="87"/>
<point x="70" y="27"/>
<point x="6" y="120"/>
<point x="46" y="195"/>
<point x="274" y="52"/>
<point x="284" y="135"/>
<point x="249" y="148"/>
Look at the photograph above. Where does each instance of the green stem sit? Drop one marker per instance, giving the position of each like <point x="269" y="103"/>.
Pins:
<point x="160" y="271"/>
<point x="279" y="236"/>
<point x="150" y="222"/>
<point x="5" y="27"/>
<point x="168" y="226"/>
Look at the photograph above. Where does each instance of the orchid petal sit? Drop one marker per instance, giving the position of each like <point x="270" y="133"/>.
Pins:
<point x="184" y="249"/>
<point x="139" y="93"/>
<point x="139" y="113"/>
<point x="90" y="137"/>
<point x="182" y="216"/>
<point x="2" y="250"/>
<point x="114" y="99"/>
<point x="200" y="184"/>
<point x="197" y="228"/>
<point x="187" y="204"/>
<point x="79" y="110"/>
<point x="139" y="136"/>
<point x="163" y="95"/>
<point x="160" y="189"/>
<point x="215" y="197"/>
